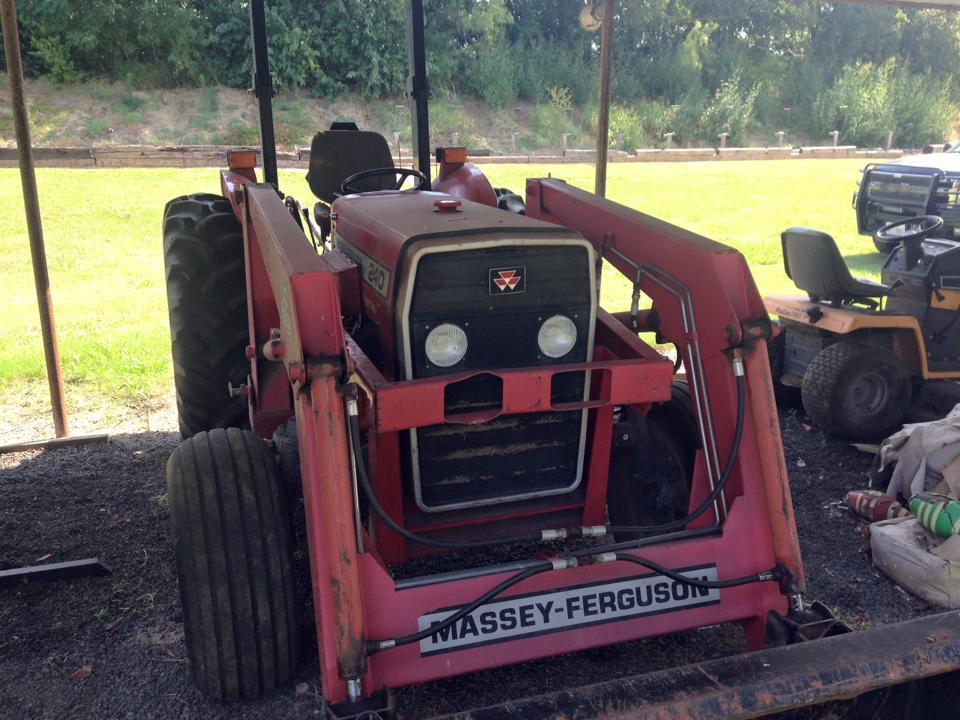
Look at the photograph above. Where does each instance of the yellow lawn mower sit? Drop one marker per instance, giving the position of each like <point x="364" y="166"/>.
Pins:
<point x="864" y="354"/>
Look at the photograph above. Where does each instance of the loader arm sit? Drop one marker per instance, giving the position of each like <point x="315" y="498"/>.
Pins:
<point x="706" y="303"/>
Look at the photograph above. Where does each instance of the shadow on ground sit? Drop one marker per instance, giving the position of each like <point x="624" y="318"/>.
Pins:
<point x="109" y="501"/>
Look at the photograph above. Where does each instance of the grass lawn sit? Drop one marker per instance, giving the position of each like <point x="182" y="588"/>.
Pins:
<point x="102" y="231"/>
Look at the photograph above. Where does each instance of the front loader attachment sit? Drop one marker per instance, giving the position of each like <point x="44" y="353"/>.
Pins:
<point x="906" y="670"/>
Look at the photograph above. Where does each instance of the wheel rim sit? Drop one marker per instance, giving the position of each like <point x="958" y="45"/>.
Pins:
<point x="868" y="394"/>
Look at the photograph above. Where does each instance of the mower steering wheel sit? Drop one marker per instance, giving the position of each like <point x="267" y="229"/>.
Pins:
<point x="897" y="231"/>
<point x="347" y="187"/>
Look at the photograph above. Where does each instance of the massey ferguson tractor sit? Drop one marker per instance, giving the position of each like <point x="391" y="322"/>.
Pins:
<point x="423" y="368"/>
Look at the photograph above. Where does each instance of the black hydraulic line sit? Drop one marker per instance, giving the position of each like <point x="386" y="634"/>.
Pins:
<point x="263" y="90"/>
<point x="709" y="531"/>
<point x="774" y="575"/>
<point x="721" y="483"/>
<point x="377" y="645"/>
<point x="364" y="479"/>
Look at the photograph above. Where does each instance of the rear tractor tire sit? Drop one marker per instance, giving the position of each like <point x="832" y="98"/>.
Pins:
<point x="651" y="464"/>
<point x="856" y="391"/>
<point x="207" y="302"/>
<point x="234" y="552"/>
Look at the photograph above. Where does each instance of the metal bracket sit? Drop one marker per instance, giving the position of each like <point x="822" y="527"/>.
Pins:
<point x="813" y="623"/>
<point x="377" y="707"/>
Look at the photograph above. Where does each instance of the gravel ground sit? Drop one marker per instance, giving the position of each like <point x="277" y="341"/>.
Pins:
<point x="109" y="501"/>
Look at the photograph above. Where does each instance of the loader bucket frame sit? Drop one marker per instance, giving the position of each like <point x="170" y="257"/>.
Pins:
<point x="891" y="672"/>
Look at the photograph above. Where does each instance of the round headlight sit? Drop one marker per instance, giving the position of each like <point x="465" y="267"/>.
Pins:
<point x="446" y="345"/>
<point x="557" y="336"/>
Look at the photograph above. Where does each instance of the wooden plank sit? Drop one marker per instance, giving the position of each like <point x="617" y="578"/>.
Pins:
<point x="91" y="567"/>
<point x="69" y="441"/>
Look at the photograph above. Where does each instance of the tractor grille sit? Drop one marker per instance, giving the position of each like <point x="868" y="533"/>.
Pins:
<point x="893" y="192"/>
<point x="517" y="456"/>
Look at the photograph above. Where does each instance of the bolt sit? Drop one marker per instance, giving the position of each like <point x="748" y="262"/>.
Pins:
<point x="298" y="373"/>
<point x="238" y="390"/>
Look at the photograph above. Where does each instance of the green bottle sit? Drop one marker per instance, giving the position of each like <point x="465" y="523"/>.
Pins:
<point x="938" y="514"/>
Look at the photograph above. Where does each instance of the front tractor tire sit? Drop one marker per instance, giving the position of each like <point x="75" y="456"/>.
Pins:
<point x="234" y="552"/>
<point x="207" y="302"/>
<point x="856" y="391"/>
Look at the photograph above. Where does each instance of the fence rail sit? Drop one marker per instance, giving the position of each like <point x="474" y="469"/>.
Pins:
<point x="144" y="156"/>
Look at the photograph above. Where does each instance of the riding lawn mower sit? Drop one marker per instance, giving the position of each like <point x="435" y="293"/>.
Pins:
<point x="864" y="354"/>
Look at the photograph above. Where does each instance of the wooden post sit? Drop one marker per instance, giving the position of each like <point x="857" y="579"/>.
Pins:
<point x="603" y="106"/>
<point x="780" y="136"/>
<point x="723" y="139"/>
<point x="31" y="203"/>
<point x="669" y="137"/>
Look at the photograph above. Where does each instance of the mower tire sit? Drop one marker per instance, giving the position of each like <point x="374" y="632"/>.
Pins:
<point x="856" y="391"/>
<point x="885" y="246"/>
<point x="207" y="302"/>
<point x="776" y="351"/>
<point x="651" y="464"/>
<point x="234" y="552"/>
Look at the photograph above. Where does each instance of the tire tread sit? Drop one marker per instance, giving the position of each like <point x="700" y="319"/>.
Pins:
<point x="207" y="304"/>
<point x="234" y="549"/>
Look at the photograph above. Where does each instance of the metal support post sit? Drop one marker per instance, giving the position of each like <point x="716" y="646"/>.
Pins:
<point x="31" y="203"/>
<point x="418" y="87"/>
<point x="603" y="106"/>
<point x="263" y="89"/>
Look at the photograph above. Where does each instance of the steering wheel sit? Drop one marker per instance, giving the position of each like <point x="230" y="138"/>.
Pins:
<point x="898" y="232"/>
<point x="347" y="187"/>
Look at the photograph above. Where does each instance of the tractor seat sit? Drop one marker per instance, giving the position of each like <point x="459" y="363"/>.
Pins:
<point x="811" y="259"/>
<point x="343" y="150"/>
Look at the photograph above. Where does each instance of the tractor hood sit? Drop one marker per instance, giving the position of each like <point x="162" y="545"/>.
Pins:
<point x="948" y="162"/>
<point x="381" y="231"/>
<point x="374" y="230"/>
<point x="395" y="218"/>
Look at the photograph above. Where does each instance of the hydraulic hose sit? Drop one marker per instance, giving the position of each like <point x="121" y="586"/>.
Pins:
<point x="776" y="574"/>
<point x="679" y="524"/>
<point x="377" y="645"/>
<point x="724" y="475"/>
<point x="364" y="479"/>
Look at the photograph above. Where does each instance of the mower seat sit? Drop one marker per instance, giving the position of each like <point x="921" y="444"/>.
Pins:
<point x="811" y="259"/>
<point x="340" y="152"/>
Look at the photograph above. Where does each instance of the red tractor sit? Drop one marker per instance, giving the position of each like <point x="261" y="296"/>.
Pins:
<point x="429" y="371"/>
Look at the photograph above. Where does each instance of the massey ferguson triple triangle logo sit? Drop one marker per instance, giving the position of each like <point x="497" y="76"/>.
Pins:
<point x="508" y="281"/>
